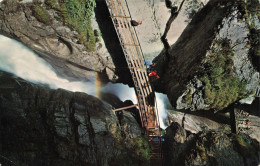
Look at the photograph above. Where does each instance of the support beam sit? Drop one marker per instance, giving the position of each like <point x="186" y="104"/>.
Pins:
<point x="121" y="16"/>
<point x="126" y="44"/>
<point x="124" y="108"/>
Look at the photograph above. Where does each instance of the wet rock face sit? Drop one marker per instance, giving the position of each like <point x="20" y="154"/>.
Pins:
<point x="209" y="148"/>
<point x="55" y="42"/>
<point x="210" y="66"/>
<point x="40" y="126"/>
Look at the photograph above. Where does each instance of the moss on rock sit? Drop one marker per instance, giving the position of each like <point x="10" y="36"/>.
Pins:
<point x="188" y="98"/>
<point x="243" y="145"/>
<point x="221" y="88"/>
<point x="77" y="15"/>
<point x="41" y="14"/>
<point x="136" y="153"/>
<point x="249" y="10"/>
<point x="141" y="148"/>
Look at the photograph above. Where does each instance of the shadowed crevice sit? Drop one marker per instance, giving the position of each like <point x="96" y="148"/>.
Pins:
<point x="112" y="43"/>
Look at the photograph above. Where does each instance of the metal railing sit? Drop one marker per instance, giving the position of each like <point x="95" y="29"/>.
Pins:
<point x="135" y="60"/>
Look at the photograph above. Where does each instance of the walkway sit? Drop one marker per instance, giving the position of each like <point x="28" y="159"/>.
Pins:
<point x="121" y="18"/>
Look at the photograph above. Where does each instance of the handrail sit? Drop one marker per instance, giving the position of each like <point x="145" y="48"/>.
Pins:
<point x="148" y="107"/>
<point x="144" y="60"/>
<point x="134" y="29"/>
<point x="127" y="58"/>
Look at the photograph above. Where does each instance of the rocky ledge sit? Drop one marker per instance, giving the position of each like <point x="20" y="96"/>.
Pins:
<point x="209" y="148"/>
<point x="40" y="126"/>
<point x="215" y="62"/>
<point x="61" y="33"/>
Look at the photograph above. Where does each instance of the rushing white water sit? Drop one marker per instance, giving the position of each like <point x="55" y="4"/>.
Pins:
<point x="126" y="93"/>
<point x="122" y="91"/>
<point x="17" y="59"/>
<point x="160" y="101"/>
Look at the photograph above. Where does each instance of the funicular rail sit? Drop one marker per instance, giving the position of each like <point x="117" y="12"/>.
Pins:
<point x="133" y="54"/>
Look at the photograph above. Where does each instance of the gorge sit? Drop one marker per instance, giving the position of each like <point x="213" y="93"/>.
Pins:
<point x="56" y="103"/>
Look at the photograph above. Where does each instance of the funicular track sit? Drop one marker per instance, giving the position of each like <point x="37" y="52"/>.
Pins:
<point x="121" y="18"/>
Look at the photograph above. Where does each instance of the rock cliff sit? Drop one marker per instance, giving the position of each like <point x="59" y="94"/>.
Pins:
<point x="213" y="63"/>
<point x="40" y="126"/>
<point x="62" y="33"/>
<point x="78" y="44"/>
<point x="209" y="148"/>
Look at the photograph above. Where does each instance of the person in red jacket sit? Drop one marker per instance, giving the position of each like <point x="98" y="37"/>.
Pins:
<point x="154" y="74"/>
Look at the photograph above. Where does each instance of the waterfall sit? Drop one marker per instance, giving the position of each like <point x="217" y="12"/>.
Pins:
<point x="17" y="59"/>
